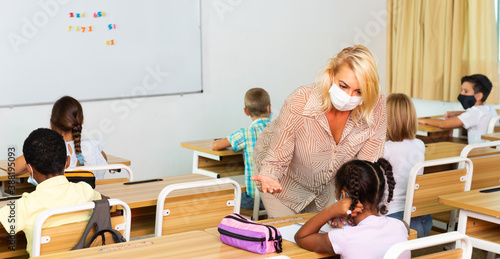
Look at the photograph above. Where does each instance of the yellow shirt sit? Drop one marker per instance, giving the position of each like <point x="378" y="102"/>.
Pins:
<point x="53" y="192"/>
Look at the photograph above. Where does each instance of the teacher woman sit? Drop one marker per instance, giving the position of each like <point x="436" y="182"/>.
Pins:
<point x="320" y="127"/>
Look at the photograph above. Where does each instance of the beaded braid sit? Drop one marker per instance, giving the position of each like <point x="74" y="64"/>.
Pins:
<point x="391" y="183"/>
<point x="354" y="188"/>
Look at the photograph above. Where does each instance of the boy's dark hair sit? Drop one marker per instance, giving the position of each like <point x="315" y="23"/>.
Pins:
<point x="256" y="101"/>
<point x="365" y="182"/>
<point x="45" y="151"/>
<point x="481" y="84"/>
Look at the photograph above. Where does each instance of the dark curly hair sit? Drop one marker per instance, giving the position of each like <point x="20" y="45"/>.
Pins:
<point x="45" y="151"/>
<point x="366" y="182"/>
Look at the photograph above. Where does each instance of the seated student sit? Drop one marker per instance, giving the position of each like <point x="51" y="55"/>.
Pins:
<point x="477" y="115"/>
<point x="258" y="107"/>
<point x="359" y="188"/>
<point x="403" y="150"/>
<point x="46" y="159"/>
<point x="67" y="119"/>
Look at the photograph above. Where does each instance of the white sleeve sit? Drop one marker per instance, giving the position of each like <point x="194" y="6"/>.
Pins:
<point x="470" y="117"/>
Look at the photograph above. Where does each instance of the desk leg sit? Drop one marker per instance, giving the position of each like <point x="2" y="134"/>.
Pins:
<point x="196" y="170"/>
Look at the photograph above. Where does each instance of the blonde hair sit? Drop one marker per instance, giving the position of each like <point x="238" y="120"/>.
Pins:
<point x="401" y="118"/>
<point x="256" y="101"/>
<point x="362" y="62"/>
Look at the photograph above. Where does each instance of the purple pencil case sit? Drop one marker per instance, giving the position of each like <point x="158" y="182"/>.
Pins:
<point x="238" y="231"/>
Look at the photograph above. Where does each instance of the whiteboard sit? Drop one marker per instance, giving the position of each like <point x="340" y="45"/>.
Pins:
<point x="95" y="49"/>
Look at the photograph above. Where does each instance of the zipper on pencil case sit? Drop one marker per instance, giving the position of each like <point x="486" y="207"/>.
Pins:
<point x="241" y="237"/>
<point x="244" y="220"/>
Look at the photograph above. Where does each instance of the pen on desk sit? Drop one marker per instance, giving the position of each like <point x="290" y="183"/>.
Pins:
<point x="215" y="139"/>
<point x="143" y="181"/>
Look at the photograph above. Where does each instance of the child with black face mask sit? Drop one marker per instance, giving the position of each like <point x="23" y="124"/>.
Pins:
<point x="477" y="115"/>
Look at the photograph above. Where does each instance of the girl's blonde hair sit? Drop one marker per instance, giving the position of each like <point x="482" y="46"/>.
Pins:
<point x="362" y="62"/>
<point x="401" y="117"/>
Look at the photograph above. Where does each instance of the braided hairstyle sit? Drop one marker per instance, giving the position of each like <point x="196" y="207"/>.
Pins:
<point x="366" y="182"/>
<point x="67" y="116"/>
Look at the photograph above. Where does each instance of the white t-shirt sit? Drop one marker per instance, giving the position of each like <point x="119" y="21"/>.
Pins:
<point x="92" y="154"/>
<point x="371" y="238"/>
<point x="403" y="156"/>
<point x="476" y="120"/>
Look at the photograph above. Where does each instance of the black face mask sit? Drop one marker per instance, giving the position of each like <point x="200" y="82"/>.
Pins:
<point x="467" y="101"/>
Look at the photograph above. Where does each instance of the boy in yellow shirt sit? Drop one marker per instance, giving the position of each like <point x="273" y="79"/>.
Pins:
<point x="46" y="159"/>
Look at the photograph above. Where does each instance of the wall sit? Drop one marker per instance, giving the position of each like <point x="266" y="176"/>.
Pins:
<point x="278" y="45"/>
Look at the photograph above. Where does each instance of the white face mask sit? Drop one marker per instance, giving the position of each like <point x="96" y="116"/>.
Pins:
<point x="342" y="101"/>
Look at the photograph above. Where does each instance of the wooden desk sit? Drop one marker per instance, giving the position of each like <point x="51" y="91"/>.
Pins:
<point x="142" y="198"/>
<point x="215" y="164"/>
<point x="194" y="244"/>
<point x="450" y="149"/>
<point x="491" y="137"/>
<point x="479" y="217"/>
<point x="434" y="134"/>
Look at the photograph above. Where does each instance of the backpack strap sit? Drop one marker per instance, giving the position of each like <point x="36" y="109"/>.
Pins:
<point x="101" y="219"/>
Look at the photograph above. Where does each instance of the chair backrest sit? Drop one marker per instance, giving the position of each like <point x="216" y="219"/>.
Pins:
<point x="486" y="172"/>
<point x="492" y="125"/>
<point x="65" y="237"/>
<point x="113" y="167"/>
<point x="422" y="191"/>
<point x="200" y="213"/>
<point x="465" y="252"/>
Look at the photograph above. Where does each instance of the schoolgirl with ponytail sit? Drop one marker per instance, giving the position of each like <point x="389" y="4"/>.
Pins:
<point x="363" y="190"/>
<point x="67" y="119"/>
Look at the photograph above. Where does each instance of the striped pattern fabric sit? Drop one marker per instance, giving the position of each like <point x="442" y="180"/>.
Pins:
<point x="245" y="139"/>
<point x="299" y="151"/>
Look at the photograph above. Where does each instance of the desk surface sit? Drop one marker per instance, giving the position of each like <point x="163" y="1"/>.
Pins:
<point x="492" y="136"/>
<point x="432" y="129"/>
<point x="4" y="165"/>
<point x="194" y="244"/>
<point x="450" y="149"/>
<point x="205" y="146"/>
<point x="484" y="203"/>
<point x="146" y="194"/>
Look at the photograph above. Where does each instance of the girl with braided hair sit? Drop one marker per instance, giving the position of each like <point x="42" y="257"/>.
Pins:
<point x="363" y="190"/>
<point x="67" y="120"/>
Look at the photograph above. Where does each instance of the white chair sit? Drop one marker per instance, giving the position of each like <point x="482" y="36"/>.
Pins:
<point x="161" y="211"/>
<point x="38" y="239"/>
<point x="486" y="166"/>
<point x="466" y="246"/>
<point x="422" y="190"/>
<point x="115" y="167"/>
<point x="256" y="206"/>
<point x="494" y="122"/>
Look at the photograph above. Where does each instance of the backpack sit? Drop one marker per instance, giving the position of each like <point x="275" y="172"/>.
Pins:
<point x="101" y="219"/>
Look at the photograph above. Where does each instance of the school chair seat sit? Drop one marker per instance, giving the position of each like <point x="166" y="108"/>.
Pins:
<point x="65" y="237"/>
<point x="423" y="190"/>
<point x="111" y="167"/>
<point x="199" y="213"/>
<point x="464" y="252"/>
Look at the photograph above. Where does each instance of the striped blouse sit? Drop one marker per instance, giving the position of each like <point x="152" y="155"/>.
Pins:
<point x="299" y="151"/>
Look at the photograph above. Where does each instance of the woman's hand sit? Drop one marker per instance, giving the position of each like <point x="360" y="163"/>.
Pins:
<point x="268" y="184"/>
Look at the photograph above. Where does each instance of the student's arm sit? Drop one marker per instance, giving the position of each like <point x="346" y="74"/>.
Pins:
<point x="451" y="114"/>
<point x="454" y="122"/>
<point x="308" y="237"/>
<point x="220" y="144"/>
<point x="20" y="165"/>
